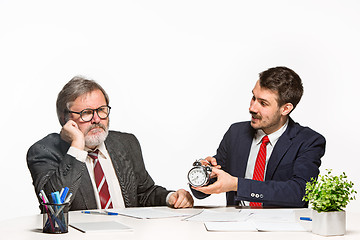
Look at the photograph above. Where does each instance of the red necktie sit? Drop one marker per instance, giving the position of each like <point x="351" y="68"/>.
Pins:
<point x="260" y="165"/>
<point x="101" y="183"/>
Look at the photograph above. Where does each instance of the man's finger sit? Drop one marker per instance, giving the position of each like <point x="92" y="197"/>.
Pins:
<point x="208" y="189"/>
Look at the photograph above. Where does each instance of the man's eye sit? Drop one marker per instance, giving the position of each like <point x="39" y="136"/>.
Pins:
<point x="102" y="109"/>
<point x="87" y="112"/>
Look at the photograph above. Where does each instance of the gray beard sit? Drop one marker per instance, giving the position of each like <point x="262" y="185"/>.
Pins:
<point x="93" y="141"/>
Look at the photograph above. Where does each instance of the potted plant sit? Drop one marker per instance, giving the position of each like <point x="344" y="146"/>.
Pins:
<point x="328" y="196"/>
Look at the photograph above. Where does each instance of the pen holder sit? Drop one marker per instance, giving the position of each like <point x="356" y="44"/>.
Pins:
<point x="55" y="217"/>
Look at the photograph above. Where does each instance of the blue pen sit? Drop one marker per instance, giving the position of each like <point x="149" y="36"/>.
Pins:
<point x="62" y="207"/>
<point x="53" y="197"/>
<point x="112" y="213"/>
<point x="305" y="218"/>
<point x="63" y="194"/>
<point x="57" y="198"/>
<point x="102" y="213"/>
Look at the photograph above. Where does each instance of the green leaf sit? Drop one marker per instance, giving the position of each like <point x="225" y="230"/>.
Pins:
<point x="329" y="193"/>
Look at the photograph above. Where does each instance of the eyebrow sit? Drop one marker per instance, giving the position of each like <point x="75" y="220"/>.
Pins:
<point x="261" y="99"/>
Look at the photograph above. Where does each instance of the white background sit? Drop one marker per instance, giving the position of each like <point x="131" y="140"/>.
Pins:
<point x="178" y="74"/>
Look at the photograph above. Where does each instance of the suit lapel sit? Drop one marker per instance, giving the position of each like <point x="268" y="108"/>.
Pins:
<point x="87" y="193"/>
<point x="280" y="149"/>
<point x="121" y="165"/>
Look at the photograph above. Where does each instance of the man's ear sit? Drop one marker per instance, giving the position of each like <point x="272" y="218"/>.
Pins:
<point x="286" y="109"/>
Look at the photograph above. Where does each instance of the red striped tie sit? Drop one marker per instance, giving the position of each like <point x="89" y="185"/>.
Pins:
<point x="260" y="165"/>
<point x="100" y="181"/>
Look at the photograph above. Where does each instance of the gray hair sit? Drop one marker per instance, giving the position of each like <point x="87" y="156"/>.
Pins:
<point x="76" y="87"/>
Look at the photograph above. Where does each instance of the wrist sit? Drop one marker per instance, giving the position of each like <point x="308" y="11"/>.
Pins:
<point x="80" y="155"/>
<point x="235" y="184"/>
<point x="78" y="144"/>
<point x="168" y="199"/>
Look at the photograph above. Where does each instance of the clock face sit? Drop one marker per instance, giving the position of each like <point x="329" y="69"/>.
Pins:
<point x="197" y="177"/>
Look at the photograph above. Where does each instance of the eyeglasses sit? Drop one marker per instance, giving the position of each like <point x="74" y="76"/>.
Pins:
<point x="88" y="114"/>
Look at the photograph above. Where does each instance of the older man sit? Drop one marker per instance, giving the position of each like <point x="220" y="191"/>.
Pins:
<point x="103" y="169"/>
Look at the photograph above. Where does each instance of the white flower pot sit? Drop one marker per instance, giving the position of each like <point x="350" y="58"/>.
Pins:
<point x="329" y="223"/>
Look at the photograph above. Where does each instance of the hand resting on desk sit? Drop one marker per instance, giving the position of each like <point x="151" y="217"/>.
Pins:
<point x="181" y="199"/>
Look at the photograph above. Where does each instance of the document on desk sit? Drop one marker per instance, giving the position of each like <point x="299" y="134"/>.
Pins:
<point x="273" y="220"/>
<point x="253" y="226"/>
<point x="279" y="226"/>
<point x="272" y="215"/>
<point x="153" y="212"/>
<point x="246" y="226"/>
<point x="276" y="220"/>
<point x="219" y="216"/>
<point x="108" y="226"/>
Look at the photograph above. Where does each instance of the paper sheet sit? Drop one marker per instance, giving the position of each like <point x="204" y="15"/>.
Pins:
<point x="253" y="226"/>
<point x="272" y="220"/>
<point x="231" y="226"/>
<point x="279" y="226"/>
<point x="150" y="213"/>
<point x="109" y="226"/>
<point x="272" y="215"/>
<point x="218" y="216"/>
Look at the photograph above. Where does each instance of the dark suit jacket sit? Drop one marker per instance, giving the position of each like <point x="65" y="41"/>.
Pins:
<point x="295" y="159"/>
<point x="52" y="168"/>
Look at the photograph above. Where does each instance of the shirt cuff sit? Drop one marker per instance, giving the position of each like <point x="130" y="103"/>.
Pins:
<point x="80" y="155"/>
<point x="167" y="198"/>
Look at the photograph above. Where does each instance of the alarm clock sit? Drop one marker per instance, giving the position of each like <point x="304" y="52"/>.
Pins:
<point x="199" y="175"/>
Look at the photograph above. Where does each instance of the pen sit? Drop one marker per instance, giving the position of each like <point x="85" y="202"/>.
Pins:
<point x="44" y="195"/>
<point x="97" y="212"/>
<point x="63" y="194"/>
<point x="306" y="218"/>
<point x="53" y="197"/>
<point x="48" y="213"/>
<point x="61" y="191"/>
<point x="57" y="198"/>
<point x="62" y="207"/>
<point x="45" y="201"/>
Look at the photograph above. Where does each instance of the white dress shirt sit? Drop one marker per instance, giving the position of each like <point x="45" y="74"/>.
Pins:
<point x="255" y="146"/>
<point x="109" y="172"/>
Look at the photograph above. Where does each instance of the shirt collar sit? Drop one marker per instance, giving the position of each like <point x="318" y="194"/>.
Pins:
<point x="273" y="137"/>
<point x="101" y="148"/>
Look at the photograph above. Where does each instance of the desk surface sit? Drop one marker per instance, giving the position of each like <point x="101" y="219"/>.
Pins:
<point x="167" y="228"/>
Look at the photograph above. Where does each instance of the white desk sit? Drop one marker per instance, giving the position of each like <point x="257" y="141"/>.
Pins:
<point x="30" y="227"/>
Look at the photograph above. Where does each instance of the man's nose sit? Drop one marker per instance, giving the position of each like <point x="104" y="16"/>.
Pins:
<point x="96" y="118"/>
<point x="252" y="107"/>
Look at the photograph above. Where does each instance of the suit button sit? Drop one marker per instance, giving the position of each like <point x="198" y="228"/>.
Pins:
<point x="252" y="194"/>
<point x="257" y="195"/>
<point x="261" y="196"/>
